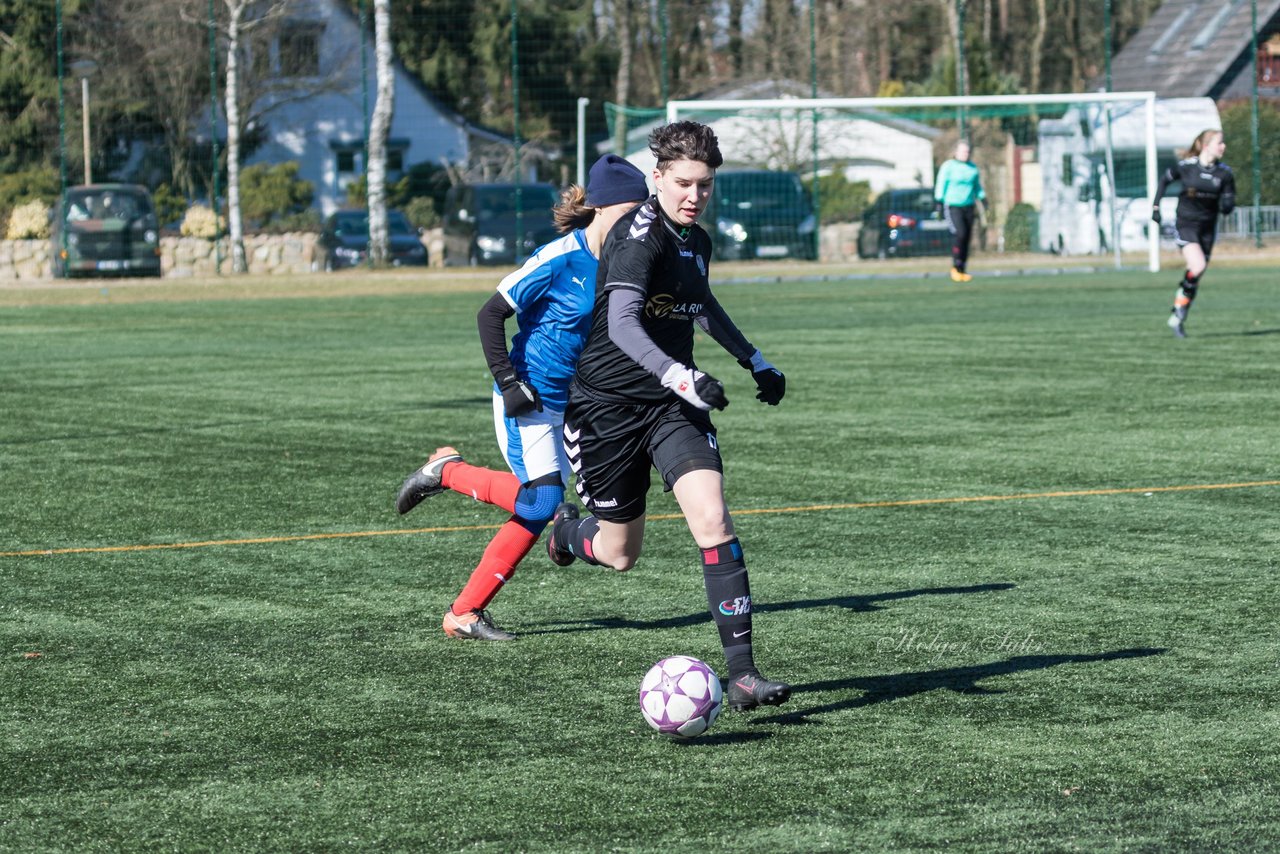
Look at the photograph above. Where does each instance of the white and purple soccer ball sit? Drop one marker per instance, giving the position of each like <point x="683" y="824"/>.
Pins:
<point x="681" y="696"/>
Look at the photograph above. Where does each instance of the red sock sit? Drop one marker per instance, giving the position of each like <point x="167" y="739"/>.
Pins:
<point x="507" y="548"/>
<point x="492" y="487"/>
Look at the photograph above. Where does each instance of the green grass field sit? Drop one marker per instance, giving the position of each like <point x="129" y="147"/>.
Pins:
<point x="1015" y="545"/>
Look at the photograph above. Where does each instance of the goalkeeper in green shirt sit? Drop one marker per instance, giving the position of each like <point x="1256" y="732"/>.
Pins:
<point x="957" y="192"/>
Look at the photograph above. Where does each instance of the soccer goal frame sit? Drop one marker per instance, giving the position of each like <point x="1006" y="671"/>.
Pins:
<point x="959" y="102"/>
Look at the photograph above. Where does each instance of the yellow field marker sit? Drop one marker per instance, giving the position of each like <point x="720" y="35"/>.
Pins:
<point x="812" y="508"/>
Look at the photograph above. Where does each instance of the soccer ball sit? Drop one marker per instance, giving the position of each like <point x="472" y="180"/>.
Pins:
<point x="681" y="696"/>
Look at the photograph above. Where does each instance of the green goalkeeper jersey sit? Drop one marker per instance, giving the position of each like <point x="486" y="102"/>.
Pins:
<point x="958" y="184"/>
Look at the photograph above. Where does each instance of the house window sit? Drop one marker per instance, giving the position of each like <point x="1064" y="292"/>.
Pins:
<point x="1269" y="62"/>
<point x="300" y="51"/>
<point x="346" y="161"/>
<point x="395" y="159"/>
<point x="1268" y="70"/>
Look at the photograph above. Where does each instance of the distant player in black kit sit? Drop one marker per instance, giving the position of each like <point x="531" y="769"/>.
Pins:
<point x="1208" y="189"/>
<point x="638" y="400"/>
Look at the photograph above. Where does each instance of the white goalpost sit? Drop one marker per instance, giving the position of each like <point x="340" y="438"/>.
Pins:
<point x="1082" y="142"/>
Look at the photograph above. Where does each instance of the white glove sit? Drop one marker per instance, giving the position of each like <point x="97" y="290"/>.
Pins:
<point x="702" y="390"/>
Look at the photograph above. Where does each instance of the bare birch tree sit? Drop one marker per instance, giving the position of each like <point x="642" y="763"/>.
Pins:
<point x="254" y="91"/>
<point x="242" y="17"/>
<point x="379" y="128"/>
<point x="239" y="261"/>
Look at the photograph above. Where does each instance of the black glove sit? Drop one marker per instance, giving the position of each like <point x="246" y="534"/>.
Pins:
<point x="1155" y="214"/>
<point x="702" y="390"/>
<point x="771" y="384"/>
<point x="518" y="396"/>
<point x="937" y="208"/>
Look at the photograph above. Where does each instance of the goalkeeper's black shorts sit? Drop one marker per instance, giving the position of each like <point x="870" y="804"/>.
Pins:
<point x="611" y="447"/>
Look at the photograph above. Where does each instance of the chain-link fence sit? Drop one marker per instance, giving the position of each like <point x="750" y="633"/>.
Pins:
<point x="265" y="106"/>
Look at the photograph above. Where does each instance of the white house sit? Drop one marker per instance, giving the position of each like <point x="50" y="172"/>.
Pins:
<point x="323" y="123"/>
<point x="884" y="150"/>
<point x="1075" y="213"/>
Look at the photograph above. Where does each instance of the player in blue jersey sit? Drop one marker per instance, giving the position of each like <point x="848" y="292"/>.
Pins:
<point x="958" y="191"/>
<point x="552" y="295"/>
<point x="1208" y="189"/>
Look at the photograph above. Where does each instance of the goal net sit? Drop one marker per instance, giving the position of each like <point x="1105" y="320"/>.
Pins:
<point x="1071" y="175"/>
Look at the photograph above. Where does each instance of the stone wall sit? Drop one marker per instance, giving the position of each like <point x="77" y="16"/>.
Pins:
<point x="24" y="259"/>
<point x="269" y="254"/>
<point x="181" y="257"/>
<point x="839" y="242"/>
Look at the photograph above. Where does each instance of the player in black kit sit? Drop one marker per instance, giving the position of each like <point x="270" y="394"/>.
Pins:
<point x="1208" y="189"/>
<point x="639" y="401"/>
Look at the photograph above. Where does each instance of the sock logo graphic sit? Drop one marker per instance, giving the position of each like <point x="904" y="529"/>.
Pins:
<point x="736" y="607"/>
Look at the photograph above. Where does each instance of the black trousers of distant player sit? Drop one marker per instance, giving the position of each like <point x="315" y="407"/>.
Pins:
<point x="960" y="221"/>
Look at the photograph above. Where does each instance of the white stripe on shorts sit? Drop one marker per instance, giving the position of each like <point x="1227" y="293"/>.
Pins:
<point x="531" y="444"/>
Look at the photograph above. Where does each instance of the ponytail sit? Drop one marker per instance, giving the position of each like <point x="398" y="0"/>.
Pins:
<point x="1197" y="145"/>
<point x="572" y="212"/>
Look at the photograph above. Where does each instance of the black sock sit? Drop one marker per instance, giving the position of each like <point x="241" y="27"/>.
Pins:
<point x="1190" y="284"/>
<point x="577" y="534"/>
<point x="1186" y="294"/>
<point x="729" y="597"/>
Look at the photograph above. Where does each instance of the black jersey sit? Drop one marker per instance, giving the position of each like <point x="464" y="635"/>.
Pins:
<point x="1206" y="190"/>
<point x="646" y="252"/>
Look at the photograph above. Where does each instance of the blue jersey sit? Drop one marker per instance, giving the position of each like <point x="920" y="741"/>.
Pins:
<point x="552" y="294"/>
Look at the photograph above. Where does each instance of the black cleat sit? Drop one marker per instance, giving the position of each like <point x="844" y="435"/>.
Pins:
<point x="474" y="625"/>
<point x="560" y="555"/>
<point x="751" y="690"/>
<point x="426" y="481"/>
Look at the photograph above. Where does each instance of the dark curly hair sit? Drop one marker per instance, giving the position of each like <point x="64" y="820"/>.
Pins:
<point x="685" y="141"/>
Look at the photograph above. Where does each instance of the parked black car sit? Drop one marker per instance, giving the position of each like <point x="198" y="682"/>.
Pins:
<point x="754" y="213"/>
<point x="480" y="222"/>
<point x="344" y="240"/>
<point x="901" y="223"/>
<point x="106" y="230"/>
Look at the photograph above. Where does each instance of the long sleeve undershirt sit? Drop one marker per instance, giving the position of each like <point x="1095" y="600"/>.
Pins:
<point x="716" y="323"/>
<point x="627" y="332"/>
<point x="492" y="322"/>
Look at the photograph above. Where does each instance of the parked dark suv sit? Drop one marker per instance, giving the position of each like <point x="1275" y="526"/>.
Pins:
<point x="760" y="214"/>
<point x="344" y="240"/>
<point x="480" y="222"/>
<point x="106" y="230"/>
<point x="903" y="222"/>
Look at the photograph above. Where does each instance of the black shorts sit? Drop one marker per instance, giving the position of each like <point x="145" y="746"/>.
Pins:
<point x="611" y="447"/>
<point x="1188" y="232"/>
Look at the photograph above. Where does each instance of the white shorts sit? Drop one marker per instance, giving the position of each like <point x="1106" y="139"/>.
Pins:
<point x="533" y="444"/>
